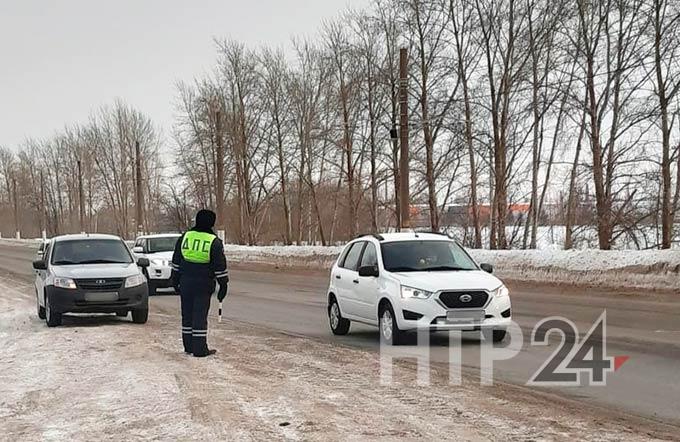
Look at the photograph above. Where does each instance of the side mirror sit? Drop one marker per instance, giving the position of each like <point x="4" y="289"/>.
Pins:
<point x="143" y="262"/>
<point x="488" y="268"/>
<point x="368" y="271"/>
<point x="138" y="249"/>
<point x="39" y="265"/>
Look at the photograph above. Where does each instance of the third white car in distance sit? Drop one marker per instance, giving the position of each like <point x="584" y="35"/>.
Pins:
<point x="158" y="249"/>
<point x="410" y="281"/>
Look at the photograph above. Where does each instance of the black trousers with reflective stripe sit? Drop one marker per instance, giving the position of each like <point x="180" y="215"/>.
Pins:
<point x="195" y="294"/>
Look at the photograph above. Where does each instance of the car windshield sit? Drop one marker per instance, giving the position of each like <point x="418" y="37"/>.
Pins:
<point x="425" y="256"/>
<point x="165" y="244"/>
<point x="90" y="251"/>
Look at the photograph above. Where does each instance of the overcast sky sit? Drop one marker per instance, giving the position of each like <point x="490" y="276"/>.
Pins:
<point x="61" y="59"/>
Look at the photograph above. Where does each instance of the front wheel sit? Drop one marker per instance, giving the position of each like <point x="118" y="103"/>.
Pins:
<point x="339" y="325"/>
<point x="390" y="333"/>
<point x="497" y="335"/>
<point x="140" y="316"/>
<point x="52" y="318"/>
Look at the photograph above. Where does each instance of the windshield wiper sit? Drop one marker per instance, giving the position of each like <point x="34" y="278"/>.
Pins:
<point x="63" y="262"/>
<point x="102" y="261"/>
<point x="443" y="268"/>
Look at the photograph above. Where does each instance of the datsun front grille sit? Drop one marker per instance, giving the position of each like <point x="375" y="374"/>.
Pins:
<point x="464" y="299"/>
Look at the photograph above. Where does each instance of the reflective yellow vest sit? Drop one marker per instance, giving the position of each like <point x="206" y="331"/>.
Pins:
<point x="196" y="247"/>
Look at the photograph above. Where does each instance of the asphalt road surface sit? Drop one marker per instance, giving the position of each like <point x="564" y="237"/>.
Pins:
<point x="643" y="326"/>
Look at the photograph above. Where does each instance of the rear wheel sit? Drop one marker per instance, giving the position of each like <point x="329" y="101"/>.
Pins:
<point x="140" y="316"/>
<point x="390" y="333"/>
<point x="41" y="309"/>
<point x="339" y="325"/>
<point x="52" y="318"/>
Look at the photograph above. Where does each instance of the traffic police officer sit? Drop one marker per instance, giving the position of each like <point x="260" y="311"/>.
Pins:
<point x="197" y="262"/>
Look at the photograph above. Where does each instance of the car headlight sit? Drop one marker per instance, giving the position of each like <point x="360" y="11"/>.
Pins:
<point x="411" y="292"/>
<point x="159" y="262"/>
<point x="134" y="281"/>
<point x="501" y="292"/>
<point x="65" y="283"/>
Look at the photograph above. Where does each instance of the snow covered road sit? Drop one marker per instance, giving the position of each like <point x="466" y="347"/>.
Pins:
<point x="104" y="378"/>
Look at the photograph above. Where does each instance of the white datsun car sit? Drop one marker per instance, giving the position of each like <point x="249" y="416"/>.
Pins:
<point x="411" y="281"/>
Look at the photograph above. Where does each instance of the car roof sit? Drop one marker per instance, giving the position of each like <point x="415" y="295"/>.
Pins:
<point x="160" y="235"/>
<point x="409" y="236"/>
<point x="84" y="236"/>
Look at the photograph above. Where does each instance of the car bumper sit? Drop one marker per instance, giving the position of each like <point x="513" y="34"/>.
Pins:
<point x="158" y="273"/>
<point x="431" y="315"/>
<point x="81" y="301"/>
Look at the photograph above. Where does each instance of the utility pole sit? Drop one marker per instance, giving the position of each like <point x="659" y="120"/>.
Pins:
<point x="43" y="211"/>
<point x="16" y="208"/>
<point x="403" y="132"/>
<point x="219" y="175"/>
<point x="140" y="196"/>
<point x="394" y="137"/>
<point x="81" y="198"/>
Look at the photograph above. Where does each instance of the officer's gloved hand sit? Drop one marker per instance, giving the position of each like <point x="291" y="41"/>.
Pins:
<point x="222" y="293"/>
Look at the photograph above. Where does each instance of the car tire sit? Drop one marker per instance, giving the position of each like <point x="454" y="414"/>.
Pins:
<point x="390" y="334"/>
<point x="140" y="316"/>
<point x="338" y="324"/>
<point x="122" y="314"/>
<point x="497" y="335"/>
<point x="152" y="288"/>
<point x="41" y="309"/>
<point x="52" y="318"/>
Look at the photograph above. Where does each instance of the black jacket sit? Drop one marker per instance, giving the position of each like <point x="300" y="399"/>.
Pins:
<point x="216" y="269"/>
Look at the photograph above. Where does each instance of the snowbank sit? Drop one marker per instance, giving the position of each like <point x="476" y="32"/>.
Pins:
<point x="611" y="269"/>
<point x="629" y="269"/>
<point x="24" y="242"/>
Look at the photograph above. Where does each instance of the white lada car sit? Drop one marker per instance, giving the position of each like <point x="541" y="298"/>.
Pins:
<point x="158" y="249"/>
<point x="409" y="281"/>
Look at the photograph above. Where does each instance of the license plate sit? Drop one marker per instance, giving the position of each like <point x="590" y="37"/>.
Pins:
<point x="465" y="316"/>
<point x="101" y="296"/>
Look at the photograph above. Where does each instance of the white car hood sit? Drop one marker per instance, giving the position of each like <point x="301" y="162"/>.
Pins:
<point x="87" y="271"/>
<point x="449" y="280"/>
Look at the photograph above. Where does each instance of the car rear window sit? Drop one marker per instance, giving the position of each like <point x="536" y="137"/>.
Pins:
<point x="90" y="251"/>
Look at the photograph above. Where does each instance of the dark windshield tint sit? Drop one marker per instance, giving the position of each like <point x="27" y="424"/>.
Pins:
<point x="166" y="244"/>
<point x="90" y="251"/>
<point x="422" y="256"/>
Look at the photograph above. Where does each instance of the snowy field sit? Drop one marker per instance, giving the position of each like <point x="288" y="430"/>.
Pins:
<point x="105" y="378"/>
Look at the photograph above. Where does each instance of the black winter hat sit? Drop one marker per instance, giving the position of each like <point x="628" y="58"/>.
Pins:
<point x="205" y="219"/>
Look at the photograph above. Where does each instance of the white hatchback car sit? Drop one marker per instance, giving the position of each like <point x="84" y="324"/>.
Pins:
<point x="411" y="281"/>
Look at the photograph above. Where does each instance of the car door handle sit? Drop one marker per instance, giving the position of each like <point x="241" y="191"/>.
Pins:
<point x="356" y="281"/>
<point x="338" y="277"/>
